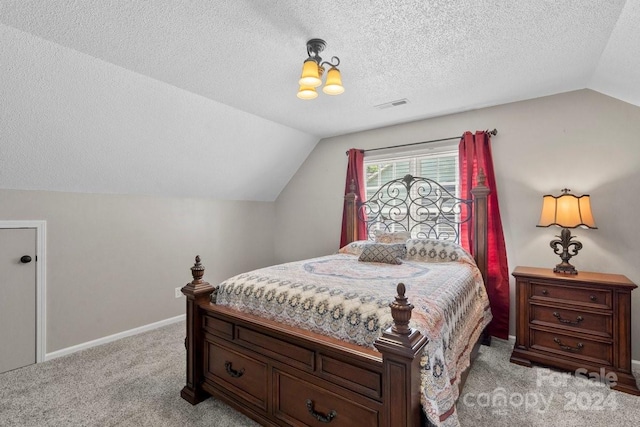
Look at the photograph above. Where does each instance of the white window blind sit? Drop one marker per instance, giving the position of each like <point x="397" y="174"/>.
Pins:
<point x="440" y="166"/>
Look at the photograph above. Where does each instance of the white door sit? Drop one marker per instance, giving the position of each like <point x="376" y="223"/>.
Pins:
<point x="17" y="298"/>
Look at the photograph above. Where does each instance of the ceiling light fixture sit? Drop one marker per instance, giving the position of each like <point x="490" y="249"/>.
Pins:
<point x="312" y="71"/>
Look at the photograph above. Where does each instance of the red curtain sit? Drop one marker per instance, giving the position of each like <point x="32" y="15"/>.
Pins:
<point x="355" y="173"/>
<point x="475" y="154"/>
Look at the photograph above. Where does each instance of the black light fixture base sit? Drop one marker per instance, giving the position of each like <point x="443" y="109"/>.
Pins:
<point x="315" y="47"/>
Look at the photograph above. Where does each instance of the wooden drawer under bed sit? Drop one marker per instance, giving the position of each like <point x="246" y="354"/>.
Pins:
<point x="351" y="374"/>
<point x="306" y="385"/>
<point x="237" y="371"/>
<point x="300" y="403"/>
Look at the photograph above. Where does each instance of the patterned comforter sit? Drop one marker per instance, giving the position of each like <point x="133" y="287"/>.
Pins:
<point x="338" y="296"/>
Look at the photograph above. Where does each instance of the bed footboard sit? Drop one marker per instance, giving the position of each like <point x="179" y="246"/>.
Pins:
<point x="278" y="374"/>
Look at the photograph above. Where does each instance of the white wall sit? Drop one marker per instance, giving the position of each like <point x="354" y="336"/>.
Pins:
<point x="581" y="140"/>
<point x="113" y="261"/>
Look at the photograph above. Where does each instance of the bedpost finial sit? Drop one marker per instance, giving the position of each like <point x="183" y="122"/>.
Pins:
<point x="197" y="271"/>
<point x="352" y="186"/>
<point x="401" y="312"/>
<point x="402" y="289"/>
<point x="482" y="178"/>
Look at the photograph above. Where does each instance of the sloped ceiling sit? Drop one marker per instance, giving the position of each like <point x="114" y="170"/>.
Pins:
<point x="198" y="98"/>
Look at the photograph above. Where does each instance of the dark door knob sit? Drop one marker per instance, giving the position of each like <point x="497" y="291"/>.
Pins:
<point x="26" y="259"/>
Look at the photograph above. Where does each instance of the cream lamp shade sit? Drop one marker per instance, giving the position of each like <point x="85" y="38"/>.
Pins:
<point x="566" y="211"/>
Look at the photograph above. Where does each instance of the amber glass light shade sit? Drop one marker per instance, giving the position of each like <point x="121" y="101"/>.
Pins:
<point x="566" y="211"/>
<point x="307" y="92"/>
<point x="334" y="82"/>
<point x="310" y="74"/>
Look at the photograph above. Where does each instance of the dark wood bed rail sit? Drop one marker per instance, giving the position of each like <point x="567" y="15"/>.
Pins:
<point x="400" y="348"/>
<point x="480" y="216"/>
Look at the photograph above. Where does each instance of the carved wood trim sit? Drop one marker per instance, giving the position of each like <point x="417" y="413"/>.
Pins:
<point x="480" y="223"/>
<point x="351" y="204"/>
<point x="198" y="293"/>
<point x="401" y="349"/>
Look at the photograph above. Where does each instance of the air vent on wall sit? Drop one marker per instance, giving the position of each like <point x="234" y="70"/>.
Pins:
<point x="396" y="103"/>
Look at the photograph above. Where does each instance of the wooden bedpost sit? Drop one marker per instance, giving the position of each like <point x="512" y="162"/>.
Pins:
<point x="480" y="226"/>
<point x="351" y="203"/>
<point x="480" y="218"/>
<point x="401" y="349"/>
<point x="198" y="292"/>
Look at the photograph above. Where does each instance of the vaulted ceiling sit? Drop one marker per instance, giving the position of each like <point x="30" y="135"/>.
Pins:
<point x="197" y="98"/>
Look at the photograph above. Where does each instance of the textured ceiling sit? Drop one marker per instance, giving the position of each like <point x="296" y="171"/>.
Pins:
<point x="165" y="66"/>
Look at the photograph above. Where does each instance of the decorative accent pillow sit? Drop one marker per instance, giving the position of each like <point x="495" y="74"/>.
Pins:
<point x="354" y="248"/>
<point x="433" y="250"/>
<point x="382" y="236"/>
<point x="382" y="252"/>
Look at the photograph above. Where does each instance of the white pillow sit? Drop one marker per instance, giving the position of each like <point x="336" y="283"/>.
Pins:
<point x="382" y="236"/>
<point x="354" y="248"/>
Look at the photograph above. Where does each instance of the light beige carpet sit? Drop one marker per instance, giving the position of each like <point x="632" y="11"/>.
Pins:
<point x="499" y="393"/>
<point x="136" y="381"/>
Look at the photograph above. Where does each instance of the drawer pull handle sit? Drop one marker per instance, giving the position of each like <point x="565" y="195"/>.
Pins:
<point x="567" y="321"/>
<point x="593" y="297"/>
<point x="566" y="347"/>
<point x="318" y="416"/>
<point x="232" y="372"/>
<point x="545" y="292"/>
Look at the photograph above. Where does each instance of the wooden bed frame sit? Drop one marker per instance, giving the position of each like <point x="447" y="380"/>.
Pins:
<point x="262" y="368"/>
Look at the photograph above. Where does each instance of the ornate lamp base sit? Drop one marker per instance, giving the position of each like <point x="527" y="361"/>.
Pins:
<point x="566" y="248"/>
<point x="565" y="268"/>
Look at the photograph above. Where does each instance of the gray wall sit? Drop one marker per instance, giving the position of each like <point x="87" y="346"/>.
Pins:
<point x="113" y="261"/>
<point x="582" y="140"/>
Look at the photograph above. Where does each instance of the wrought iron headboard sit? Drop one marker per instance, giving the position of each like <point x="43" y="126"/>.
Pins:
<point x="421" y="206"/>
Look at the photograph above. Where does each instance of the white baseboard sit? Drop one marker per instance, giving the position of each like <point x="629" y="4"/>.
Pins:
<point x="114" y="337"/>
<point x="635" y="364"/>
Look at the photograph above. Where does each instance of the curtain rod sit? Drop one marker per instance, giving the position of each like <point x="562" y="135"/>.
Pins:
<point x="493" y="132"/>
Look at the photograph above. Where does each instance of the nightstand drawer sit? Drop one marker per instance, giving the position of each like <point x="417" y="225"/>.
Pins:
<point x="600" y="353"/>
<point x="580" y="320"/>
<point x="596" y="298"/>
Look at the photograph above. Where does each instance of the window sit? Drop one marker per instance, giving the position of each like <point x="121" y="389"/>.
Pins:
<point x="431" y="210"/>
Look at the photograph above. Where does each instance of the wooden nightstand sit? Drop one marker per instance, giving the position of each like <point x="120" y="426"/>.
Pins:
<point x="575" y="321"/>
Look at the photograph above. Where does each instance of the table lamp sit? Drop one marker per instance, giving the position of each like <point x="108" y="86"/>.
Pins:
<point x="566" y="211"/>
